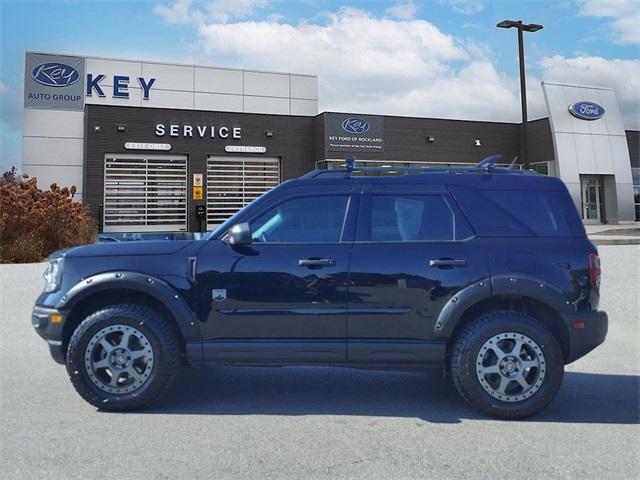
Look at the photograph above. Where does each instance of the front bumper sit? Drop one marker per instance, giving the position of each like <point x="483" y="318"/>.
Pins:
<point x="41" y="319"/>
<point x="586" y="330"/>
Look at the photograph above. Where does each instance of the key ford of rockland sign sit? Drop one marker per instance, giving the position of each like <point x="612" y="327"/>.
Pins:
<point x="347" y="133"/>
<point x="57" y="82"/>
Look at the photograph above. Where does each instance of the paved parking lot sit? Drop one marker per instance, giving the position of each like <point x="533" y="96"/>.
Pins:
<point x="320" y="423"/>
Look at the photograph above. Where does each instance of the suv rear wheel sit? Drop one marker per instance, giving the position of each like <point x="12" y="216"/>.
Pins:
<point x="123" y="357"/>
<point x="507" y="365"/>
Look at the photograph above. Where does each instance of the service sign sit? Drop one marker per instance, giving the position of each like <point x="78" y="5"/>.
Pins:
<point x="54" y="82"/>
<point x="354" y="133"/>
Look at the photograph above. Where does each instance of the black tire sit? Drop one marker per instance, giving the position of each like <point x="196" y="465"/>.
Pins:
<point x="464" y="356"/>
<point x="162" y="340"/>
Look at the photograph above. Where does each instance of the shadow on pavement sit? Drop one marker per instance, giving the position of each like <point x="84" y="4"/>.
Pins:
<point x="583" y="397"/>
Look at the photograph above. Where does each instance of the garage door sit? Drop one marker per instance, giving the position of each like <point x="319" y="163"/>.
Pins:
<point x="233" y="182"/>
<point x="145" y="193"/>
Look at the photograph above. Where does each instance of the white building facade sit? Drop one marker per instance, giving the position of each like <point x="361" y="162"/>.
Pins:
<point x="156" y="146"/>
<point x="592" y="154"/>
<point x="54" y="117"/>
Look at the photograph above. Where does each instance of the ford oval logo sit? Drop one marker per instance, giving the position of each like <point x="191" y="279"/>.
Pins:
<point x="586" y="110"/>
<point x="55" y="74"/>
<point x="357" y="126"/>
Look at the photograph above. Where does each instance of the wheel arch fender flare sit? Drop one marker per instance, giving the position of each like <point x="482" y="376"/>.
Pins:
<point x="137" y="282"/>
<point x="503" y="285"/>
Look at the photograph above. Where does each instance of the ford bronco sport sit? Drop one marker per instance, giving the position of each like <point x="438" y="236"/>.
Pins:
<point x="484" y="271"/>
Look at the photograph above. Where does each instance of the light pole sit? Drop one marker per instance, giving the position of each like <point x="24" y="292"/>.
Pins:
<point x="532" y="27"/>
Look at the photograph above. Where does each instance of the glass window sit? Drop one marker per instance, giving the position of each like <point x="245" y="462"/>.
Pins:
<point x="541" y="168"/>
<point x="540" y="211"/>
<point x="408" y="218"/>
<point x="302" y="220"/>
<point x="635" y="172"/>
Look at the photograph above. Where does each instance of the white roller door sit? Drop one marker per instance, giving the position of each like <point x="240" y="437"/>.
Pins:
<point x="233" y="182"/>
<point x="145" y="193"/>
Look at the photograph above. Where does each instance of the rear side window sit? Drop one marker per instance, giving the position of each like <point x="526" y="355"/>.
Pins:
<point x="411" y="218"/>
<point x="516" y="212"/>
<point x="541" y="211"/>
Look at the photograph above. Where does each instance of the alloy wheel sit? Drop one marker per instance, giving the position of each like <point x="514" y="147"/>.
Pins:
<point x="510" y="367"/>
<point x="119" y="359"/>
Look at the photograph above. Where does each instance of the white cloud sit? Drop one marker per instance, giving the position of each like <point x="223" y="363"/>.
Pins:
<point x="466" y="7"/>
<point x="178" y="12"/>
<point x="403" y="11"/>
<point x="403" y="67"/>
<point x="624" y="15"/>
<point x="224" y="10"/>
<point x="190" y="11"/>
<point x="622" y="75"/>
<point x="3" y="88"/>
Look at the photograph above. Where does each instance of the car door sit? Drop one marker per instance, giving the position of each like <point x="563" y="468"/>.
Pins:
<point x="414" y="251"/>
<point x="282" y="298"/>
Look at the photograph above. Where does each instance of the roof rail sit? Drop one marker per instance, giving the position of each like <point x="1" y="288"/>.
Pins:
<point x="486" y="165"/>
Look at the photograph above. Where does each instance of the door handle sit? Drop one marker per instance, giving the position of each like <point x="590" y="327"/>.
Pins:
<point x="447" y="262"/>
<point x="316" y="262"/>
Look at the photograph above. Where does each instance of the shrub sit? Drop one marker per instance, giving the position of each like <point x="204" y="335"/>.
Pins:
<point x="34" y="222"/>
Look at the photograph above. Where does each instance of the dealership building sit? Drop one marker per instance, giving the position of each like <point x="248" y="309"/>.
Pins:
<point x="169" y="147"/>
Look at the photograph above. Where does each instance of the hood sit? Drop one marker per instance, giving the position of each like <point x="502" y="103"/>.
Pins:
<point x="143" y="247"/>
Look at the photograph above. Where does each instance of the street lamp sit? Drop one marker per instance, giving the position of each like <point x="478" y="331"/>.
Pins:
<point x="532" y="27"/>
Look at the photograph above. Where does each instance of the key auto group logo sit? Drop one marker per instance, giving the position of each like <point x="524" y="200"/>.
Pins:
<point x="355" y="126"/>
<point x="55" y="74"/>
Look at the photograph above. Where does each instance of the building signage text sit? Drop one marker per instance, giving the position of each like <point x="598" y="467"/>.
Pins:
<point x="348" y="133"/>
<point x="245" y="149"/>
<point x="147" y="146"/>
<point x="202" y="131"/>
<point x="120" y="86"/>
<point x="59" y="82"/>
<point x="586" y="110"/>
<point x="53" y="82"/>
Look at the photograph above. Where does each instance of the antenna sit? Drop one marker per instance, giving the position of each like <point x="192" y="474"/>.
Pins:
<point x="513" y="162"/>
<point x="351" y="163"/>
<point x="488" y="163"/>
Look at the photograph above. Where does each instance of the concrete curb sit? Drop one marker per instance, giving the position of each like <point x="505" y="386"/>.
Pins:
<point x="615" y="241"/>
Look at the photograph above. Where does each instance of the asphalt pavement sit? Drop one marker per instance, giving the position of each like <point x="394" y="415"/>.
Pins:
<point x="290" y="423"/>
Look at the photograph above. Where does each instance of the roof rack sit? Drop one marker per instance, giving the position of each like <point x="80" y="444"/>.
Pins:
<point x="486" y="165"/>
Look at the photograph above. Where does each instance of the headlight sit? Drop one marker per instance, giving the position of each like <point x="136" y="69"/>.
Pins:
<point x="53" y="275"/>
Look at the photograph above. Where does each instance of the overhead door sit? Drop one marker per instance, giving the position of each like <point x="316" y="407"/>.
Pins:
<point x="233" y="182"/>
<point x="145" y="193"/>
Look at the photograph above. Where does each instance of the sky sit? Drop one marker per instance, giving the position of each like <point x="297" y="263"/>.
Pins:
<point x="426" y="58"/>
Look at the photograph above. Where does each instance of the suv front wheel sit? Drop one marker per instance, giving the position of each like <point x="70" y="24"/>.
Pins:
<point x="123" y="357"/>
<point x="507" y="365"/>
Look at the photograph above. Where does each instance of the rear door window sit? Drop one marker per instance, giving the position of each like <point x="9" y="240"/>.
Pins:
<point x="414" y="218"/>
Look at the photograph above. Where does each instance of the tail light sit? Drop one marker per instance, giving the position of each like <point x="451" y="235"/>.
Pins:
<point x="595" y="272"/>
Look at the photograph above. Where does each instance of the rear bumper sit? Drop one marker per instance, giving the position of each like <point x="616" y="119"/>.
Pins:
<point x="586" y="330"/>
<point x="51" y="332"/>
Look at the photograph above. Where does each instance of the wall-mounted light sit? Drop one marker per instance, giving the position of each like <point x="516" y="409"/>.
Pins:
<point x="96" y="129"/>
<point x="121" y="127"/>
<point x="431" y="139"/>
<point x="268" y="133"/>
<point x="477" y="142"/>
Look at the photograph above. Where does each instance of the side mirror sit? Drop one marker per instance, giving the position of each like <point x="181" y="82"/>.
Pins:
<point x="239" y="235"/>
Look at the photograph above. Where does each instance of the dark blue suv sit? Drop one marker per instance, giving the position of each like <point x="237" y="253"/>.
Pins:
<point x="484" y="271"/>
